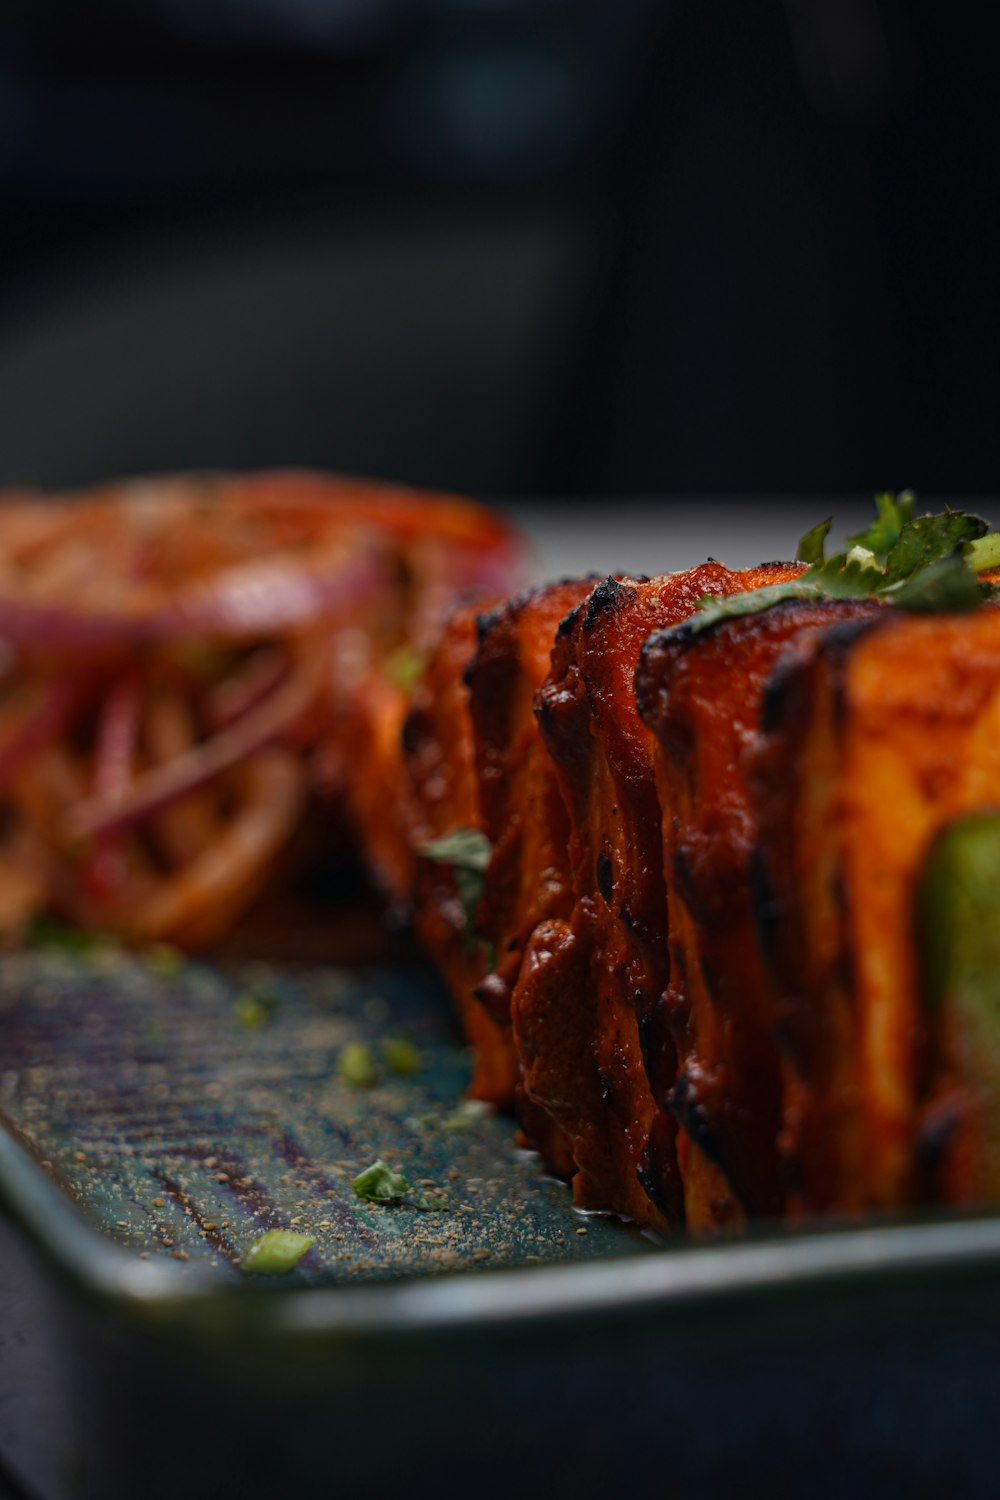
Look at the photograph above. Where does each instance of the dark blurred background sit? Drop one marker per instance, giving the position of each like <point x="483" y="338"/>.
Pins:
<point x="508" y="246"/>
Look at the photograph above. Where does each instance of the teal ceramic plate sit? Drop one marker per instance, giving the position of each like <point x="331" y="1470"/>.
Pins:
<point x="160" y="1117"/>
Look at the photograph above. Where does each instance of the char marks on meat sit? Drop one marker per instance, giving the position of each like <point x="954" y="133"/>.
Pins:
<point x="622" y="1132"/>
<point x="878" y="740"/>
<point x="678" y="873"/>
<point x="443" y="791"/>
<point x="701" y="696"/>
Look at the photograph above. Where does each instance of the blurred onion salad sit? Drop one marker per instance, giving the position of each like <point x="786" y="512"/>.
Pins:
<point x="174" y="655"/>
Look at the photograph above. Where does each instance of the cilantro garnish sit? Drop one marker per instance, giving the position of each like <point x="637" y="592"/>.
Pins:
<point x="891" y="514"/>
<point x="813" y="544"/>
<point x="431" y="1203"/>
<point x="928" y="539"/>
<point x="380" y="1184"/>
<point x="928" y="563"/>
<point x="947" y="585"/>
<point x="468" y="852"/>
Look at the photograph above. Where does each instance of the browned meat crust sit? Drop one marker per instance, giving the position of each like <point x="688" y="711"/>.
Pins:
<point x="701" y="696"/>
<point x="863" y="761"/>
<point x="366" y="772"/>
<point x="444" y="793"/>
<point x="622" y="1133"/>
<point x="779" y="786"/>
<point x="522" y="812"/>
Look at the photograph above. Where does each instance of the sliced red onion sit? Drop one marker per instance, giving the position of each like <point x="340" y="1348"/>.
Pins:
<point x="116" y="735"/>
<point x="259" y="598"/>
<point x="40" y="727"/>
<point x="268" y="597"/>
<point x="165" y="784"/>
<point x="64" y="632"/>
<point x="255" y="680"/>
<point x="114" y="749"/>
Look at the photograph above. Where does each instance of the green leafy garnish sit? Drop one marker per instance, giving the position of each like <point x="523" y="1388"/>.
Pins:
<point x="164" y="960"/>
<point x="50" y="935"/>
<point x="380" y="1184"/>
<point x="431" y="1203"/>
<point x="356" y="1066"/>
<point x="945" y="585"/>
<point x="928" y="539"/>
<point x="464" y="849"/>
<point x="401" y="1056"/>
<point x="467" y="1115"/>
<point x="277" y="1251"/>
<point x="891" y="514"/>
<point x="404" y="666"/>
<point x="813" y="544"/>
<point x="253" y="1009"/>
<point x="468" y="852"/>
<point x="927" y="563"/>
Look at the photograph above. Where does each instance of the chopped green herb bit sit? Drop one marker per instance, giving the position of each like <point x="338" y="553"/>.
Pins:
<point x="468" y="852"/>
<point x="401" y="1056"/>
<point x="467" y="1115"/>
<point x="380" y="1184"/>
<point x="916" y="562"/>
<point x="252" y="1010"/>
<point x="465" y="848"/>
<point x="356" y="1065"/>
<point x="404" y="666"/>
<point x="277" y="1251"/>
<point x="431" y="1203"/>
<point x="984" y="552"/>
<point x="164" y="960"/>
<point x="55" y="936"/>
